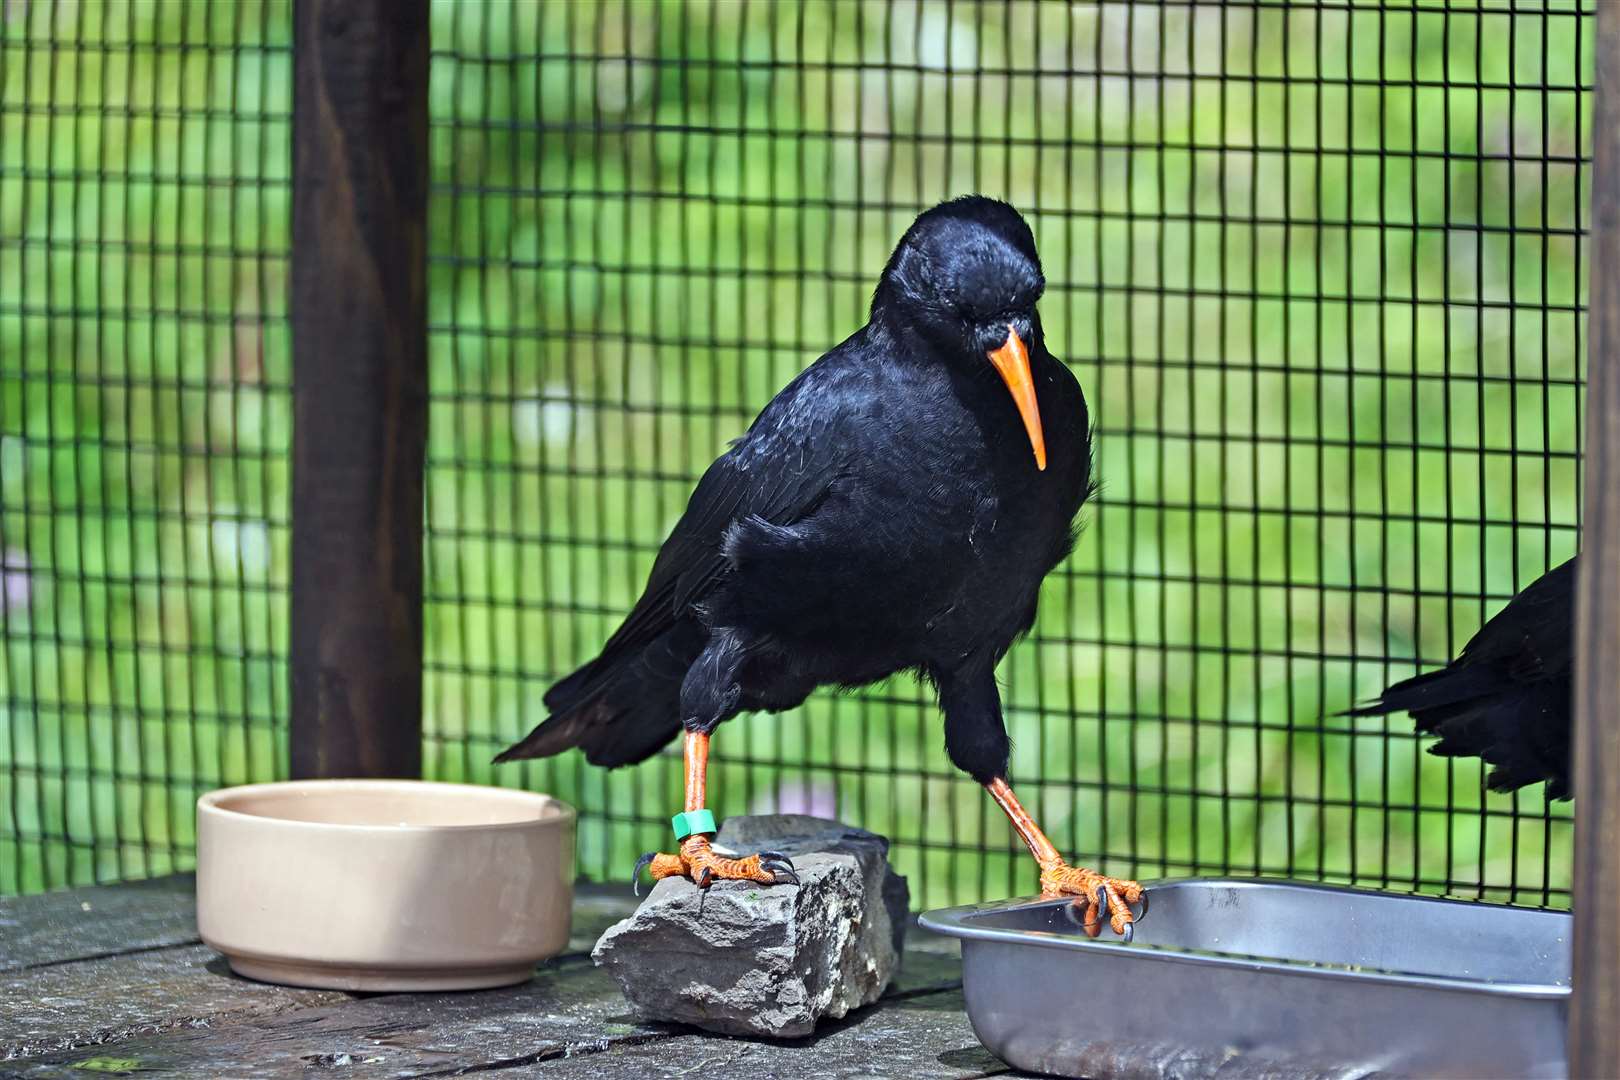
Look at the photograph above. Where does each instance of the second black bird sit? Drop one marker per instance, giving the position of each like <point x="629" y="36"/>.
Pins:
<point x="1507" y="698"/>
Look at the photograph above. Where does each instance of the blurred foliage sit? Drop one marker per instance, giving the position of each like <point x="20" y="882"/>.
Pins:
<point x="1319" y="269"/>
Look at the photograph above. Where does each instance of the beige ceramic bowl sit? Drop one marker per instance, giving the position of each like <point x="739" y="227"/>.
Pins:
<point x="384" y="884"/>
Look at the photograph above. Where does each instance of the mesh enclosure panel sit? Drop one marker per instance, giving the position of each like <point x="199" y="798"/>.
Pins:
<point x="144" y="425"/>
<point x="1319" y="268"/>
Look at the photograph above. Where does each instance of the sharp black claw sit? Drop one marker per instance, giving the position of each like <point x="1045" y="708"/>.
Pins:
<point x="635" y="875"/>
<point x="705" y="876"/>
<point x="1102" y="902"/>
<point x="1138" y="918"/>
<point x="1130" y="932"/>
<point x="780" y="867"/>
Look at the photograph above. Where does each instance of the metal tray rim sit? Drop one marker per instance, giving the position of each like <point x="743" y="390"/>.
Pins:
<point x="957" y="922"/>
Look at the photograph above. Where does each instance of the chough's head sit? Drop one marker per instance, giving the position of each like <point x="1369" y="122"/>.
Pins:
<point x="967" y="276"/>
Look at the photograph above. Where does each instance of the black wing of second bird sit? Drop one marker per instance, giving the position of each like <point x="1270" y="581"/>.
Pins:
<point x="1507" y="697"/>
<point x="623" y="705"/>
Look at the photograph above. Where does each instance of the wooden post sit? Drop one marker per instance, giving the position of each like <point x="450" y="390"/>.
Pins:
<point x="1594" y="1022"/>
<point x="359" y="337"/>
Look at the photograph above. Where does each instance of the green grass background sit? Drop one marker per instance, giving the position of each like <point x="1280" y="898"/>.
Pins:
<point x="1318" y="269"/>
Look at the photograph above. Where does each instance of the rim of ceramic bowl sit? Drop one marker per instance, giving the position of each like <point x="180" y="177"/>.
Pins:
<point x="562" y="813"/>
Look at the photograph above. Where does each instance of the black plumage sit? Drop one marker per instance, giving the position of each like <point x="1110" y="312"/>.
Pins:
<point x="883" y="513"/>
<point x="894" y="508"/>
<point x="1507" y="698"/>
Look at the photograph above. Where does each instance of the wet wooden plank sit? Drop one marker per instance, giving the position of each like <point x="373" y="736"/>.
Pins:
<point x="925" y="970"/>
<point x="73" y="924"/>
<point x="919" y="1035"/>
<point x="179" y="1008"/>
<point x="110" y="999"/>
<point x="569" y="1008"/>
<point x="597" y="907"/>
<point x="143" y="972"/>
<point x="924" y="1034"/>
<point x="570" y="1013"/>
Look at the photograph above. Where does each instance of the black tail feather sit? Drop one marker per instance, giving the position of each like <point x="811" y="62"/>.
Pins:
<point x="1520" y="729"/>
<point x="1507" y="697"/>
<point x="1432" y="690"/>
<point x="618" y="713"/>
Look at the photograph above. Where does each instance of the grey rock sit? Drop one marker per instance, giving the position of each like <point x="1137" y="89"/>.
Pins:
<point x="771" y="960"/>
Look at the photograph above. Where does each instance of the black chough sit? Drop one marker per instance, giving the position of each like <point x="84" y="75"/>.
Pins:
<point x="894" y="508"/>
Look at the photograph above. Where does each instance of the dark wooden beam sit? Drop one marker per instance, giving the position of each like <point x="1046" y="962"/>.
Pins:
<point x="1594" y="1022"/>
<point x="359" y="336"/>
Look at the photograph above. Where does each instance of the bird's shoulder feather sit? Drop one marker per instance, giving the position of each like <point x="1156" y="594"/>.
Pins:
<point x="777" y="471"/>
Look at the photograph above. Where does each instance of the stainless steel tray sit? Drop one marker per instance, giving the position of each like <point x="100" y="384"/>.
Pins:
<point x="1242" y="978"/>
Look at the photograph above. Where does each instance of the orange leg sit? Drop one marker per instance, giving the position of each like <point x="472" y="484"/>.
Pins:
<point x="696" y="859"/>
<point x="1060" y="879"/>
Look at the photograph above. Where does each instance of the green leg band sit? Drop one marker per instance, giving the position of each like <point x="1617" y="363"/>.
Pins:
<point x="690" y="822"/>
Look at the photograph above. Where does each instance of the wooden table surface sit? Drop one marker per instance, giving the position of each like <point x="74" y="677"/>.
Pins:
<point x="113" y="980"/>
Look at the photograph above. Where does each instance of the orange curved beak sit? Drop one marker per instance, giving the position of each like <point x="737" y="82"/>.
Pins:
<point x="1012" y="362"/>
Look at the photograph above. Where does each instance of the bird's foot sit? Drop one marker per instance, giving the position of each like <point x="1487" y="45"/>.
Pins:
<point x="1093" y="894"/>
<point x="698" y="862"/>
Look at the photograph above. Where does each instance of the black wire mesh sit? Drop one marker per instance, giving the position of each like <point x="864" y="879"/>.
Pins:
<point x="144" y="407"/>
<point x="1318" y="266"/>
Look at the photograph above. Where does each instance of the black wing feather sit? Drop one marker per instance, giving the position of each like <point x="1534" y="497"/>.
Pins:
<point x="621" y="706"/>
